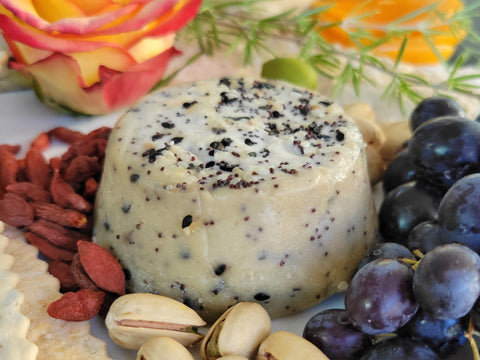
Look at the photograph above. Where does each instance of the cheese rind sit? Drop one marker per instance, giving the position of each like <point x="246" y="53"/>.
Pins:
<point x="234" y="190"/>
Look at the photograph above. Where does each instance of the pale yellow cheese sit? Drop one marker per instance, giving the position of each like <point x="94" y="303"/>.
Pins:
<point x="236" y="190"/>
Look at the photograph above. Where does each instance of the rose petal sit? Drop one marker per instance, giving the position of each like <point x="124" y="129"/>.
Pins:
<point x="54" y="10"/>
<point x="153" y="10"/>
<point x="92" y="7"/>
<point x="186" y="13"/>
<point x="57" y="78"/>
<point x="25" y="11"/>
<point x="36" y="39"/>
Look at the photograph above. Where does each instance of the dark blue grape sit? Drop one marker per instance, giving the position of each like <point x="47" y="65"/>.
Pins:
<point x="446" y="282"/>
<point x="380" y="299"/>
<point x="434" y="107"/>
<point x="405" y="207"/>
<point x="444" y="336"/>
<point x="445" y="150"/>
<point x="399" y="349"/>
<point x="386" y="250"/>
<point x="332" y="332"/>
<point x="398" y="172"/>
<point x="425" y="237"/>
<point x="459" y="212"/>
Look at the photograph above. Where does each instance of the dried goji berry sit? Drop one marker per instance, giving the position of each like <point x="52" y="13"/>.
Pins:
<point x="15" y="211"/>
<point x="65" y="196"/>
<point x="81" y="168"/>
<point x="92" y="147"/>
<point x="62" y="271"/>
<point x="14" y="149"/>
<point x="57" y="234"/>
<point x="77" y="306"/>
<point x="59" y="215"/>
<point x="90" y="187"/>
<point x="100" y="133"/>
<point x="37" y="168"/>
<point x="55" y="163"/>
<point x="102" y="267"/>
<point x="80" y="276"/>
<point x="8" y="168"/>
<point x="41" y="142"/>
<point x="48" y="249"/>
<point x="66" y="135"/>
<point x="30" y="191"/>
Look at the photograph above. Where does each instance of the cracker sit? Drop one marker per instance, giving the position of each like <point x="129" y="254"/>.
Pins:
<point x="13" y="324"/>
<point x="56" y="339"/>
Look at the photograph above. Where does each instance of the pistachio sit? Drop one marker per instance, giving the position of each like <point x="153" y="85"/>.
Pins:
<point x="163" y="348"/>
<point x="239" y="331"/>
<point x="283" y="345"/>
<point x="133" y="319"/>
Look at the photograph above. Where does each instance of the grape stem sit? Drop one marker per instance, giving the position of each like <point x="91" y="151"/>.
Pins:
<point x="469" y="335"/>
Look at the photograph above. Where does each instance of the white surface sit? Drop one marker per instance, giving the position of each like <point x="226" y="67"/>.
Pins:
<point x="23" y="117"/>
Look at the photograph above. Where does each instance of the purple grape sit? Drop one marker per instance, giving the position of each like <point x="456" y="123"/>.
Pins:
<point x="332" y="332"/>
<point x="444" y="336"/>
<point x="398" y="172"/>
<point x="405" y="207"/>
<point x="380" y="299"/>
<point x="386" y="250"/>
<point x="434" y="107"/>
<point x="446" y="282"/>
<point x="399" y="349"/>
<point x="445" y="150"/>
<point x="459" y="212"/>
<point x="425" y="237"/>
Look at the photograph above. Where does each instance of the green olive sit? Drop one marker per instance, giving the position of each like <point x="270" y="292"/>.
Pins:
<point x="294" y="71"/>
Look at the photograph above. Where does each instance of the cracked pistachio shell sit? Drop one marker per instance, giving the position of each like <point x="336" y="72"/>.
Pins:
<point x="239" y="331"/>
<point x="133" y="319"/>
<point x="283" y="345"/>
<point x="163" y="348"/>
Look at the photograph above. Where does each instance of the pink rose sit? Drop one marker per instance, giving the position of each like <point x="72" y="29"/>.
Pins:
<point x="93" y="56"/>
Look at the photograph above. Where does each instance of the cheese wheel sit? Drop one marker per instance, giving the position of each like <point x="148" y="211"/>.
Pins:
<point x="231" y="190"/>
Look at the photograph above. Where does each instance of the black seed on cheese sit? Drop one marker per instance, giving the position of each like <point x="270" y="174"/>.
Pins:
<point x="126" y="208"/>
<point x="260" y="296"/>
<point x="187" y="105"/>
<point x="106" y="225"/>
<point x="225" y="81"/>
<point x="187" y="221"/>
<point x="168" y="125"/>
<point x="134" y="177"/>
<point x="220" y="269"/>
<point x="177" y="140"/>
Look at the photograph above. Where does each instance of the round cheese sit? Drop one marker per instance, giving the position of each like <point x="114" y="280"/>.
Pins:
<point x="231" y="190"/>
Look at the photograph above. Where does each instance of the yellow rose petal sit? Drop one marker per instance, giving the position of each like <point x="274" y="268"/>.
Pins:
<point x="115" y="59"/>
<point x="91" y="7"/>
<point x="150" y="47"/>
<point x="54" y="10"/>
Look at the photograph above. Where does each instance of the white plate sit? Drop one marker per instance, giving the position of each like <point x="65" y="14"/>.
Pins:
<point x="23" y="117"/>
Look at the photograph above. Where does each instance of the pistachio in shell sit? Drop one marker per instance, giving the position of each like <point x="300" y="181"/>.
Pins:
<point x="163" y="348"/>
<point x="133" y="319"/>
<point x="239" y="331"/>
<point x="284" y="345"/>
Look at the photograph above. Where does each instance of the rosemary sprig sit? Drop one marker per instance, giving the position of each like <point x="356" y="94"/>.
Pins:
<point x="236" y="24"/>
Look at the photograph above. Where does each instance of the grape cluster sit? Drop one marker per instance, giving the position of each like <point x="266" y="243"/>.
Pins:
<point x="417" y="293"/>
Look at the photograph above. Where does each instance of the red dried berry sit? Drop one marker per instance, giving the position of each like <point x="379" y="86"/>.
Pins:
<point x="77" y="306"/>
<point x="102" y="267"/>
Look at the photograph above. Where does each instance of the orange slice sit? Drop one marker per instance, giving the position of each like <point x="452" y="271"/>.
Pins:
<point x="374" y="19"/>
